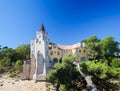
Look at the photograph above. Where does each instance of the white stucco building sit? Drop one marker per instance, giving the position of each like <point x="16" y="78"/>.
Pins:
<point x="39" y="51"/>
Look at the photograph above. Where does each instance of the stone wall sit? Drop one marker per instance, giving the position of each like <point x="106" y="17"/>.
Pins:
<point x="26" y="70"/>
<point x="33" y="67"/>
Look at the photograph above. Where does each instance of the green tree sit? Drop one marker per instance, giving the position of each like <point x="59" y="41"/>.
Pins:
<point x="5" y="62"/>
<point x="109" y="48"/>
<point x="106" y="48"/>
<point x="23" y="51"/>
<point x="115" y="62"/>
<point x="93" y="48"/>
<point x="102" y="73"/>
<point x="66" y="75"/>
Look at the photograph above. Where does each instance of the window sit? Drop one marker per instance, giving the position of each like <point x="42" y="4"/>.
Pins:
<point x="43" y="37"/>
<point x="83" y="59"/>
<point x="58" y="53"/>
<point x="54" y="46"/>
<point x="51" y="53"/>
<point x="79" y="51"/>
<point x="39" y="42"/>
<point x="36" y="40"/>
<point x="50" y="48"/>
<point x="50" y="61"/>
<point x="81" y="45"/>
<point x="84" y="51"/>
<point x="66" y="51"/>
<point x="39" y="36"/>
<point x="76" y="51"/>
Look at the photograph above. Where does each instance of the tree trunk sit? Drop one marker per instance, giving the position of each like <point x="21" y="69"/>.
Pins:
<point x="87" y="79"/>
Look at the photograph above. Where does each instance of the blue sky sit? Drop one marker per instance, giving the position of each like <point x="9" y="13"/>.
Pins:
<point x="66" y="21"/>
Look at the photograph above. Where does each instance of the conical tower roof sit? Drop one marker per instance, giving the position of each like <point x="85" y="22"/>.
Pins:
<point x="42" y="28"/>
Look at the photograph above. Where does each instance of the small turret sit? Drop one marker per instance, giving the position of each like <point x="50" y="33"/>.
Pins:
<point x="42" y="28"/>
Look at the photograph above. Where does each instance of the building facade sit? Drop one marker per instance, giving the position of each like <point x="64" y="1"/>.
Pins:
<point x="56" y="52"/>
<point x="44" y="54"/>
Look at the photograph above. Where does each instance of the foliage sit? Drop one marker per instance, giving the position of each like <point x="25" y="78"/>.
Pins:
<point x="23" y="51"/>
<point x="12" y="75"/>
<point x="5" y="62"/>
<point x="66" y="75"/>
<point x="7" y="53"/>
<point x="13" y="57"/>
<point x="105" y="49"/>
<point x="51" y="43"/>
<point x="115" y="62"/>
<point x="18" y="64"/>
<point x="102" y="70"/>
<point x="109" y="47"/>
<point x="93" y="47"/>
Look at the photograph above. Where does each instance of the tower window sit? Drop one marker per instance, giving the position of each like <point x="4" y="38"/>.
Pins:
<point x="39" y="42"/>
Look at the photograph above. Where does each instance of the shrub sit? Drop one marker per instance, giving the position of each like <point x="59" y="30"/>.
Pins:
<point x="5" y="62"/>
<point x="12" y="75"/>
<point x="18" y="64"/>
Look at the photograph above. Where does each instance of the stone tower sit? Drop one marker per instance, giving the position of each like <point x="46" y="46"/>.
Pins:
<point x="39" y="55"/>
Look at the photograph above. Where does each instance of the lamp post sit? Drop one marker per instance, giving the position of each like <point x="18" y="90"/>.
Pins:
<point x="87" y="78"/>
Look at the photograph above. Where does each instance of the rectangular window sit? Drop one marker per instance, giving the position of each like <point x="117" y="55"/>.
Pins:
<point x="51" y="53"/>
<point x="76" y="51"/>
<point x="79" y="51"/>
<point x="36" y="40"/>
<point x="39" y="42"/>
<point x="58" y="53"/>
<point x="84" y="51"/>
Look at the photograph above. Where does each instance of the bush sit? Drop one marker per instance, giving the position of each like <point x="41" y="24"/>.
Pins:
<point x="66" y="75"/>
<point x="5" y="62"/>
<point x="1" y="70"/>
<point x="12" y="75"/>
<point x="18" y="64"/>
<point x="98" y="69"/>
